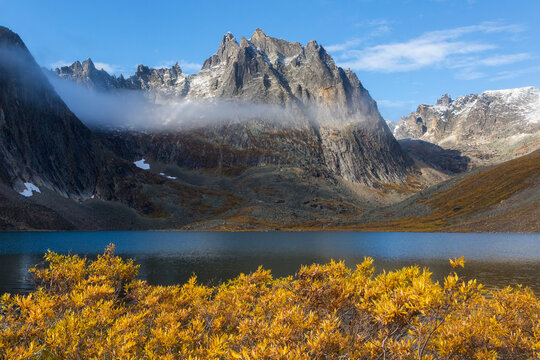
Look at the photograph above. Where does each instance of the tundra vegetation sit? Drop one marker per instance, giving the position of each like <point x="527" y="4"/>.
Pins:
<point x="98" y="309"/>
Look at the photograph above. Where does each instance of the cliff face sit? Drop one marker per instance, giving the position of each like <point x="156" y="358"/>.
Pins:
<point x="491" y="127"/>
<point x="327" y="122"/>
<point x="41" y="141"/>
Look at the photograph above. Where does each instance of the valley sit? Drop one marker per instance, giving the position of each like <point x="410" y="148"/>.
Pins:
<point x="269" y="135"/>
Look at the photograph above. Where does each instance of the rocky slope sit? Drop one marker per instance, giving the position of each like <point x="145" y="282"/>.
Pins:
<point x="314" y="114"/>
<point x="499" y="198"/>
<point x="42" y="143"/>
<point x="489" y="128"/>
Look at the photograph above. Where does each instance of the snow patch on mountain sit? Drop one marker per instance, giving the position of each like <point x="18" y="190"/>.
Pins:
<point x="29" y="189"/>
<point x="142" y="164"/>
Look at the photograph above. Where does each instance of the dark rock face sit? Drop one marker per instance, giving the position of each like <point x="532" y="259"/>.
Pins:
<point x="41" y="140"/>
<point x="448" y="161"/>
<point x="332" y="124"/>
<point x="490" y="127"/>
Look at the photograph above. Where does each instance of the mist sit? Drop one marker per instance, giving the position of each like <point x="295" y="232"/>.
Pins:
<point x="136" y="110"/>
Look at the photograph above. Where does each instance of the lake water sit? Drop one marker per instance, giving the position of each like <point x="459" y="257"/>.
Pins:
<point x="172" y="257"/>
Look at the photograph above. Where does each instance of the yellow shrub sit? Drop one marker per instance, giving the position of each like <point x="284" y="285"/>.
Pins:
<point x="98" y="310"/>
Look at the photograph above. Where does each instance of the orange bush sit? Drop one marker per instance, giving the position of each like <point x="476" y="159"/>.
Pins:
<point x="98" y="310"/>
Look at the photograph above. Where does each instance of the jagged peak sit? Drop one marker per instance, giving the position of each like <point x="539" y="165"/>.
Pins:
<point x="76" y="65"/>
<point x="141" y="69"/>
<point x="177" y="68"/>
<point x="88" y="65"/>
<point x="444" y="100"/>
<point x="228" y="38"/>
<point x="88" y="61"/>
<point x="312" y="44"/>
<point x="258" y="33"/>
<point x="274" y="46"/>
<point x="245" y="42"/>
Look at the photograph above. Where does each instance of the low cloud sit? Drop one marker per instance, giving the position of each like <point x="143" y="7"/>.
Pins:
<point x="134" y="109"/>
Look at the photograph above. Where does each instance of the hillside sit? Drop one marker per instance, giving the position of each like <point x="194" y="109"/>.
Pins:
<point x="501" y="198"/>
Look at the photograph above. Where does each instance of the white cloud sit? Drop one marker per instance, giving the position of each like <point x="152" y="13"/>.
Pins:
<point x="470" y="74"/>
<point x="345" y="45"/>
<point x="59" y="64"/>
<point x="377" y="27"/>
<point x="111" y="69"/>
<point x="412" y="55"/>
<point x="504" y="75"/>
<point x="499" y="60"/>
<point x="438" y="48"/>
<point x="190" y="67"/>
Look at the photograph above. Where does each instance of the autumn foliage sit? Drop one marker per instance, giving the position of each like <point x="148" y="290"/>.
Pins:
<point x="98" y="310"/>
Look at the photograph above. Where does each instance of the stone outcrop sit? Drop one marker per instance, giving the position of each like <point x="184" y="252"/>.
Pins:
<point x="490" y="127"/>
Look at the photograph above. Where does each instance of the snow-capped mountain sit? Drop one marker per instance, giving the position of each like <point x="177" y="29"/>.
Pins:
<point x="493" y="126"/>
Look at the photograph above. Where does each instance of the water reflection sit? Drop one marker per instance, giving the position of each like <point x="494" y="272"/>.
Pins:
<point x="172" y="257"/>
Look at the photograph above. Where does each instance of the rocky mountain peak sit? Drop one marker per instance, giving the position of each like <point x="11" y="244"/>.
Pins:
<point x="274" y="47"/>
<point x="176" y="68"/>
<point x="76" y="66"/>
<point x="312" y="45"/>
<point x="493" y="126"/>
<point x="227" y="47"/>
<point x="142" y="70"/>
<point x="88" y="65"/>
<point x="258" y="33"/>
<point x="445" y="100"/>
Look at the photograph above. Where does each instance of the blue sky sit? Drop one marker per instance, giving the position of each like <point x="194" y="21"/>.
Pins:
<point x="404" y="52"/>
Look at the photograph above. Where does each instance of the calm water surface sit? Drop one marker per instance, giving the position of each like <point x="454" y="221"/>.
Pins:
<point x="173" y="257"/>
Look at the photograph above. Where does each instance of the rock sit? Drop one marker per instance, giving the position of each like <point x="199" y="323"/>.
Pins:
<point x="41" y="140"/>
<point x="491" y="127"/>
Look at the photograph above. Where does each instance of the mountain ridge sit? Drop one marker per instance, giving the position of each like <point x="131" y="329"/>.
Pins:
<point x="339" y="120"/>
<point x="316" y="154"/>
<point x="490" y="127"/>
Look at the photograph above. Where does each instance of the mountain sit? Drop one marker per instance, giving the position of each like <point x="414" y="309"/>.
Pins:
<point x="489" y="128"/>
<point x="500" y="198"/>
<point x="311" y="113"/>
<point x="270" y="134"/>
<point x="42" y="143"/>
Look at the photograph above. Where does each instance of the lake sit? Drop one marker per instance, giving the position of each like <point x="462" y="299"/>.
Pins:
<point x="173" y="257"/>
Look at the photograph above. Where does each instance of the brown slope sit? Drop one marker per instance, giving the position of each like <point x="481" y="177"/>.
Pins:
<point x="502" y="198"/>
